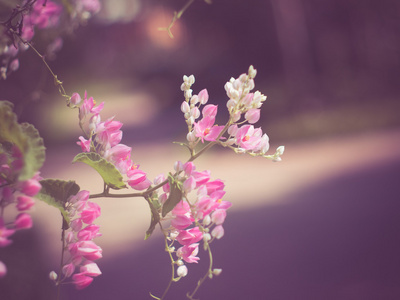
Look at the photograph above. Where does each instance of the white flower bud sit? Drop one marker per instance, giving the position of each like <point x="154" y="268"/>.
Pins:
<point x="206" y="237"/>
<point x="280" y="150"/>
<point x="179" y="262"/>
<point x="178" y="166"/>
<point x="182" y="271"/>
<point x="191" y="137"/>
<point x="252" y="72"/>
<point x="216" y="272"/>
<point x="195" y="112"/>
<point x="185" y="108"/>
<point x="207" y="220"/>
<point x="194" y="100"/>
<point x="53" y="276"/>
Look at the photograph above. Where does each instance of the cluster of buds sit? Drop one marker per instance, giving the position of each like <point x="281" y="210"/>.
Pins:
<point x="104" y="138"/>
<point x="244" y="111"/>
<point x="78" y="241"/>
<point x="198" y="216"/>
<point x="15" y="192"/>
<point x="33" y="15"/>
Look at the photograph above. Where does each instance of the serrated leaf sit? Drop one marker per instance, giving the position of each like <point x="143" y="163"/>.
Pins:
<point x="35" y="154"/>
<point x="110" y="174"/>
<point x="56" y="192"/>
<point x="175" y="195"/>
<point x="25" y="137"/>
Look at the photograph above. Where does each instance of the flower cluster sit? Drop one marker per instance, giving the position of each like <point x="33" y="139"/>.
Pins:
<point x="244" y="110"/>
<point x="198" y="216"/>
<point x="79" y="243"/>
<point x="16" y="192"/>
<point x="104" y="138"/>
<point x="39" y="15"/>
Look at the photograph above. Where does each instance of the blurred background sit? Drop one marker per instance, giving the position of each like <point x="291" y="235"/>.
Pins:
<point x="322" y="224"/>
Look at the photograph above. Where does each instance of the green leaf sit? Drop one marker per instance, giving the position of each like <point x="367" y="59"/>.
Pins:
<point x="56" y="192"/>
<point x="25" y="137"/>
<point x="155" y="216"/>
<point x="174" y="197"/>
<point x="111" y="176"/>
<point x="35" y="154"/>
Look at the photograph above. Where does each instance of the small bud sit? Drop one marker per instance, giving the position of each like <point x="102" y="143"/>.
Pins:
<point x="53" y="275"/>
<point x="218" y="232"/>
<point x="179" y="262"/>
<point x="207" y="220"/>
<point x="216" y="272"/>
<point x="203" y="96"/>
<point x="252" y="72"/>
<point x="75" y="99"/>
<point x="185" y="108"/>
<point x="182" y="271"/>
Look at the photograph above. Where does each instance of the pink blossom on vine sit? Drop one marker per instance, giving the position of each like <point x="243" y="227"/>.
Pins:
<point x="81" y="280"/>
<point x="45" y="13"/>
<point x="84" y="143"/>
<point x="248" y="137"/>
<point x="189" y="236"/>
<point x="189" y="253"/>
<point x="79" y="240"/>
<point x="23" y="221"/>
<point x="181" y="221"/>
<point x="138" y="180"/>
<point x="252" y="115"/>
<point x="206" y="130"/>
<point x="90" y="213"/>
<point x="24" y="202"/>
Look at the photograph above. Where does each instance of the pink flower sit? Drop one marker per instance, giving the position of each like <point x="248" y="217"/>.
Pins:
<point x="201" y="177"/>
<point x="252" y="115"/>
<point x="76" y="99"/>
<point x="189" y="184"/>
<point x="68" y="269"/>
<point x="90" y="269"/>
<point x="89" y="250"/>
<point x="90" y="213"/>
<point x="24" y="202"/>
<point x="188" y="253"/>
<point x="215" y="185"/>
<point x="218" y="232"/>
<point x="218" y="216"/>
<point x="81" y="196"/>
<point x="210" y="110"/>
<point x="84" y="143"/>
<point x="89" y="233"/>
<point x="249" y="138"/>
<point x="138" y="180"/>
<point x="206" y="130"/>
<point x="190" y="236"/>
<point x="181" y="208"/>
<point x="30" y="187"/>
<point x="45" y="16"/>
<point x="108" y="132"/>
<point x="181" y="222"/>
<point x="120" y="156"/>
<point x="89" y="106"/>
<point x="23" y="221"/>
<point x="81" y="280"/>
